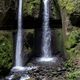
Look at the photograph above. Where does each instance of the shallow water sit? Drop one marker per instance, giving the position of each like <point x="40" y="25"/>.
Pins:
<point x="49" y="59"/>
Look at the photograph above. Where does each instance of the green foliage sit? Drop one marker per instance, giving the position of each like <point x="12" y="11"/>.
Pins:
<point x="31" y="6"/>
<point x="68" y="5"/>
<point x="77" y="6"/>
<point x="5" y="51"/>
<point x="73" y="50"/>
<point x="72" y="43"/>
<point x="72" y="39"/>
<point x="73" y="75"/>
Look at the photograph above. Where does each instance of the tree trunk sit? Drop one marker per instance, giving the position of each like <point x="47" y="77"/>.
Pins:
<point x="65" y="25"/>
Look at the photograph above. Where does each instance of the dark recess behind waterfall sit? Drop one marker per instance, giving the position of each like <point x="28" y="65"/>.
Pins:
<point x="29" y="22"/>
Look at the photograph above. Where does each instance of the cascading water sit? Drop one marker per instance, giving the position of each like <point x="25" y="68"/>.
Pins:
<point x="46" y="34"/>
<point x="46" y="44"/>
<point x="18" y="55"/>
<point x="18" y="60"/>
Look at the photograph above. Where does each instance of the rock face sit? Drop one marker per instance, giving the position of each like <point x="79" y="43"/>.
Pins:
<point x="5" y="5"/>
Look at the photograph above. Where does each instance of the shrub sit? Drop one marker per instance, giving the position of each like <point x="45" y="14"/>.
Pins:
<point x="5" y="52"/>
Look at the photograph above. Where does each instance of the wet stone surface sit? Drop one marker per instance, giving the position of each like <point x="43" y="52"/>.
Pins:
<point x="42" y="72"/>
<point x="47" y="72"/>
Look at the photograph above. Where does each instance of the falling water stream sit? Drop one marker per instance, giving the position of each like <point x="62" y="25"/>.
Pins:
<point x="18" y="60"/>
<point x="46" y="35"/>
<point x="18" y="54"/>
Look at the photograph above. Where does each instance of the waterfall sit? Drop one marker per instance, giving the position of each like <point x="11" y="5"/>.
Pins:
<point x="46" y="35"/>
<point x="18" y="55"/>
<point x="18" y="58"/>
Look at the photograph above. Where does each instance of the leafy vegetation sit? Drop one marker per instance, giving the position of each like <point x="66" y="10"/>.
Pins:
<point x="73" y="51"/>
<point x="31" y="7"/>
<point x="5" y="52"/>
<point x="74" y="75"/>
<point x="73" y="39"/>
<point x="70" y="5"/>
